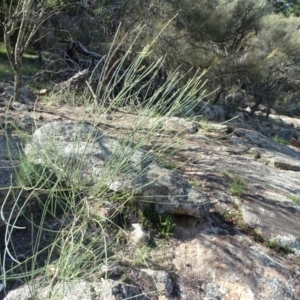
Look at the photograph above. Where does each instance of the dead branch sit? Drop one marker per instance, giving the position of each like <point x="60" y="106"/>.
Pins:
<point x="73" y="82"/>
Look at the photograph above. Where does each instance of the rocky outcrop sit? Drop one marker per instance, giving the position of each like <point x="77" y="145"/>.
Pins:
<point x="215" y="261"/>
<point x="87" y="155"/>
<point x="229" y="254"/>
<point x="270" y="171"/>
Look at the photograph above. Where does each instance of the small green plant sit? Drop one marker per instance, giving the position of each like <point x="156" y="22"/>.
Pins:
<point x="295" y="199"/>
<point x="141" y="255"/>
<point x="164" y="224"/>
<point x="168" y="156"/>
<point x="273" y="244"/>
<point x="194" y="183"/>
<point x="235" y="216"/>
<point x="205" y="125"/>
<point x="280" y="140"/>
<point x="167" y="164"/>
<point x="224" y="172"/>
<point x="237" y="186"/>
<point x="257" y="236"/>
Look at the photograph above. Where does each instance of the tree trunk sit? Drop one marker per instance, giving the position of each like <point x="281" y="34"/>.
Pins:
<point x="268" y="108"/>
<point x="253" y="109"/>
<point x="17" y="82"/>
<point x="218" y="95"/>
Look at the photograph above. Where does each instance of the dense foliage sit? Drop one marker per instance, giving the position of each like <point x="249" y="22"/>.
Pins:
<point x="287" y="7"/>
<point x="247" y="46"/>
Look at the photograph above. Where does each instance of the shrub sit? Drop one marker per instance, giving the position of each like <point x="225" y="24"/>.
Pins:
<point x="237" y="186"/>
<point x="280" y="140"/>
<point x="295" y="199"/>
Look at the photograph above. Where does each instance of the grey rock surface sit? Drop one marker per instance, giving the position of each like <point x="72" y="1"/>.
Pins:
<point x="84" y="151"/>
<point x="220" y="128"/>
<point x="20" y="106"/>
<point x="211" y="112"/>
<point x="81" y="290"/>
<point x="3" y="85"/>
<point x="180" y="125"/>
<point x="26" y="95"/>
<point x="279" y="155"/>
<point x="21" y="293"/>
<point x="287" y="134"/>
<point x="271" y="174"/>
<point x="224" y="264"/>
<point x="162" y="280"/>
<point x="139" y="235"/>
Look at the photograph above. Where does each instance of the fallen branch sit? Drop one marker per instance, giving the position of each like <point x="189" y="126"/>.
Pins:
<point x="73" y="82"/>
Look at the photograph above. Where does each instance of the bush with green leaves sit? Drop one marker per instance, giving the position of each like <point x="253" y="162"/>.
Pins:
<point x="237" y="186"/>
<point x="280" y="140"/>
<point x="163" y="224"/>
<point x="278" y="248"/>
<point x="295" y="199"/>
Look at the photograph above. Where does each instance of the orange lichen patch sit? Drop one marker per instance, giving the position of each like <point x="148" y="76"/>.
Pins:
<point x="271" y="272"/>
<point x="295" y="142"/>
<point x="236" y="291"/>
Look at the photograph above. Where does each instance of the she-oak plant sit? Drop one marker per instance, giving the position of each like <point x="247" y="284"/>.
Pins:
<point x="70" y="244"/>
